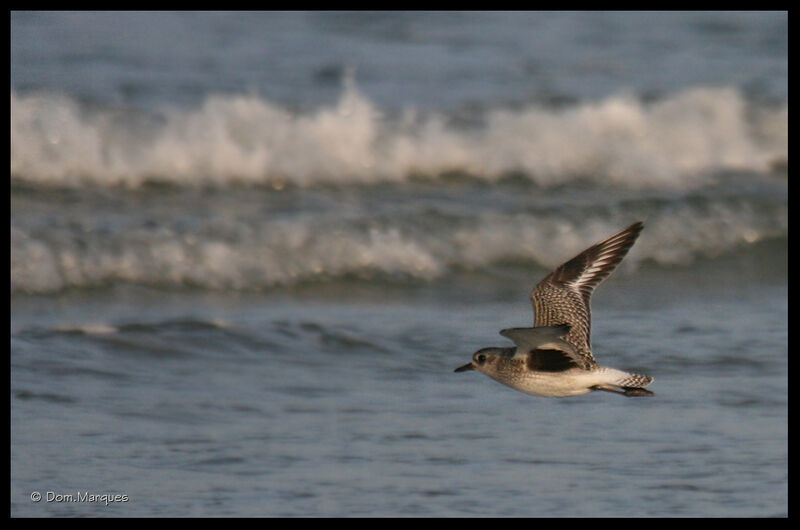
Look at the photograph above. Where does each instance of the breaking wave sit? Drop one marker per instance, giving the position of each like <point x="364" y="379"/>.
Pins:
<point x="246" y="256"/>
<point x="674" y="142"/>
<point x="259" y="196"/>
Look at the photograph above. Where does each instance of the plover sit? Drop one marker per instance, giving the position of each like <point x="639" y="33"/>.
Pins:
<point x="554" y="358"/>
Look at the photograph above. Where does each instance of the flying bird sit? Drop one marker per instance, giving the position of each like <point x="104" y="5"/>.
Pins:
<point x="554" y="358"/>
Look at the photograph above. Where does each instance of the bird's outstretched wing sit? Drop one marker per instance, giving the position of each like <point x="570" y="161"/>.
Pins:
<point x="563" y="296"/>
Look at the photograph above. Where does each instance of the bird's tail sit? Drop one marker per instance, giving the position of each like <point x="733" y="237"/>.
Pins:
<point x="628" y="384"/>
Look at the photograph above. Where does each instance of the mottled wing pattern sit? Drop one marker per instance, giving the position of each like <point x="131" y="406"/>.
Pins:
<point x="563" y="296"/>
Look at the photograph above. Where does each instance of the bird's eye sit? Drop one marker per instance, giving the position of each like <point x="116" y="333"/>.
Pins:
<point x="480" y="358"/>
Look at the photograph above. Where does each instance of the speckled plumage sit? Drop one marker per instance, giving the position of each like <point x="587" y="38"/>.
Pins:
<point x="554" y="358"/>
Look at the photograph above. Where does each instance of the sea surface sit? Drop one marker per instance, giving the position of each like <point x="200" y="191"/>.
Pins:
<point x="248" y="250"/>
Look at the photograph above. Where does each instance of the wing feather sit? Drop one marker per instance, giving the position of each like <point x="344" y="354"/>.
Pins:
<point x="563" y="296"/>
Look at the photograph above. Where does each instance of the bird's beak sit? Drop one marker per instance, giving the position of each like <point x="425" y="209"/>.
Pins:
<point x="468" y="366"/>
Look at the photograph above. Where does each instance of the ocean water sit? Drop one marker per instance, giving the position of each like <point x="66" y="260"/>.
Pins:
<point x="249" y="249"/>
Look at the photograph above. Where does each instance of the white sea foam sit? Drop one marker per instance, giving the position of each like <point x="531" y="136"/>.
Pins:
<point x="675" y="142"/>
<point x="642" y="156"/>
<point x="285" y="253"/>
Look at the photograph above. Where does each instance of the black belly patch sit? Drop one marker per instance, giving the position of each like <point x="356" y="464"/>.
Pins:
<point x="549" y="361"/>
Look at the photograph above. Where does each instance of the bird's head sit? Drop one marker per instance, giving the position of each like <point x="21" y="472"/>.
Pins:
<point x="483" y="360"/>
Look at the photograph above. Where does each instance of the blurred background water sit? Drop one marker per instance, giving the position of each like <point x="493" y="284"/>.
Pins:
<point x="248" y="250"/>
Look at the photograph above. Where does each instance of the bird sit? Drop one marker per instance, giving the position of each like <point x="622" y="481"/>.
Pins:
<point x="554" y="358"/>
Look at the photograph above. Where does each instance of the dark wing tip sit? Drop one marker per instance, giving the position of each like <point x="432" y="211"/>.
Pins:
<point x="595" y="263"/>
<point x="635" y="228"/>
